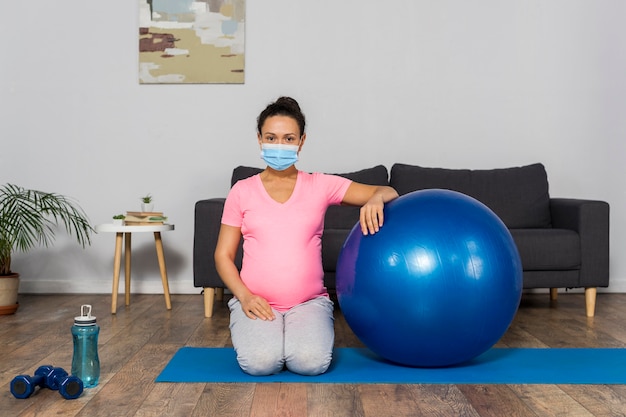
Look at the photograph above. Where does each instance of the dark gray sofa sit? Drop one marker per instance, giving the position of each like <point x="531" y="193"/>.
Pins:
<point x="563" y="242"/>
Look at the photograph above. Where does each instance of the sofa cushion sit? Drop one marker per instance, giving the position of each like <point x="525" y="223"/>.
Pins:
<point x="548" y="249"/>
<point x="332" y="241"/>
<point x="241" y="173"/>
<point x="519" y="195"/>
<point x="377" y="175"/>
<point x="345" y="217"/>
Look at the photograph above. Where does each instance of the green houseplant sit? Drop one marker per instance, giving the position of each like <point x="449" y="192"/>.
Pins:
<point x="146" y="203"/>
<point x="29" y="218"/>
<point x="118" y="219"/>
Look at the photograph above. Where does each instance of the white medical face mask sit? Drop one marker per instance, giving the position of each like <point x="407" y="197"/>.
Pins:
<point x="279" y="156"/>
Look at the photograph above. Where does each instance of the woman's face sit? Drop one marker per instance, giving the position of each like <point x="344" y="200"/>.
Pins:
<point x="281" y="129"/>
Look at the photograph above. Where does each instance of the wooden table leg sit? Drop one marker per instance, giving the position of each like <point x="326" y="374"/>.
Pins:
<point x="166" y="288"/>
<point x="117" y="261"/>
<point x="127" y="267"/>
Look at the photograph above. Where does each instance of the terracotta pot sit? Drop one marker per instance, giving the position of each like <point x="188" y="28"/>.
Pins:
<point x="9" y="285"/>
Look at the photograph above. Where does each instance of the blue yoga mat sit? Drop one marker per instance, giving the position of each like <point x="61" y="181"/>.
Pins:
<point x="361" y="366"/>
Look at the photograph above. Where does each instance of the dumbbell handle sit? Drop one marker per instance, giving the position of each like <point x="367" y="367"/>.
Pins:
<point x="69" y="386"/>
<point x="54" y="378"/>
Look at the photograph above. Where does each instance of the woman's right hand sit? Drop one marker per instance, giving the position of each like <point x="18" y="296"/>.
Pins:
<point x="255" y="306"/>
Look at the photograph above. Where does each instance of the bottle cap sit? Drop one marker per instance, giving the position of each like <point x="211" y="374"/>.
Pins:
<point x="85" y="318"/>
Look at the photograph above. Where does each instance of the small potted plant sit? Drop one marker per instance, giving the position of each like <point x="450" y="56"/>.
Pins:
<point x="118" y="219"/>
<point x="146" y="203"/>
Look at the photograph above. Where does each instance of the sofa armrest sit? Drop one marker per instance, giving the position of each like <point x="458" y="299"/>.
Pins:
<point x="207" y="221"/>
<point x="590" y="218"/>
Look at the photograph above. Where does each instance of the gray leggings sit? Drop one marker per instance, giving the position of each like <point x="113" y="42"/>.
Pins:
<point x="301" y="339"/>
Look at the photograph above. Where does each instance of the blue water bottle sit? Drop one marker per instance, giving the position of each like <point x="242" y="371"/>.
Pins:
<point x="85" y="362"/>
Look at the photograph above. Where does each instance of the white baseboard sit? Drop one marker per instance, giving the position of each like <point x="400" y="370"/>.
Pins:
<point x="104" y="287"/>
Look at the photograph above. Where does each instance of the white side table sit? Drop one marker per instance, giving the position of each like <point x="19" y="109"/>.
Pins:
<point x="126" y="232"/>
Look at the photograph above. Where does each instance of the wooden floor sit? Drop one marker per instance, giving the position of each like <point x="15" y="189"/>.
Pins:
<point x="138" y="342"/>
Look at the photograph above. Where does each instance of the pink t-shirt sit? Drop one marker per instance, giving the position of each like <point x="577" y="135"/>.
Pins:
<point x="282" y="242"/>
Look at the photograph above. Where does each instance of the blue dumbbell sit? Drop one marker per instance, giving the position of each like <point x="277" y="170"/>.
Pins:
<point x="70" y="387"/>
<point x="23" y="386"/>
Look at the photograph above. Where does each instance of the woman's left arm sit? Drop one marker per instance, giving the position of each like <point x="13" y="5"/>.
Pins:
<point x="372" y="199"/>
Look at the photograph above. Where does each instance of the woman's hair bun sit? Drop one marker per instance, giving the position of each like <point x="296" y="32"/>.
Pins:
<point x="288" y="102"/>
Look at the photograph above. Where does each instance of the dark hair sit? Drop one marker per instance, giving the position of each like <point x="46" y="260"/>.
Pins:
<point x="284" y="106"/>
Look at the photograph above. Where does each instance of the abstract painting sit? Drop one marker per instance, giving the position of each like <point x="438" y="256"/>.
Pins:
<point x="191" y="41"/>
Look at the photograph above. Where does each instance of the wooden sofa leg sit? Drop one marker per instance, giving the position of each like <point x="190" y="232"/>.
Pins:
<point x="590" y="301"/>
<point x="209" y="296"/>
<point x="219" y="294"/>
<point x="554" y="293"/>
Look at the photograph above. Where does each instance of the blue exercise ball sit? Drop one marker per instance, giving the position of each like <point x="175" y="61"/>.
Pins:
<point x="438" y="285"/>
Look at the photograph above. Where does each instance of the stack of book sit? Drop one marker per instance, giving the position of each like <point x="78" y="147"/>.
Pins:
<point x="144" y="218"/>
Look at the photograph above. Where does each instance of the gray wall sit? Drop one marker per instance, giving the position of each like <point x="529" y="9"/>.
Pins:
<point x="458" y="84"/>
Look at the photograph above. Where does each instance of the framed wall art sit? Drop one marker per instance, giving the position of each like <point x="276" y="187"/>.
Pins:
<point x="191" y="41"/>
